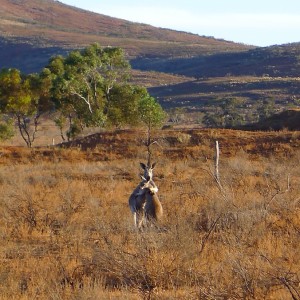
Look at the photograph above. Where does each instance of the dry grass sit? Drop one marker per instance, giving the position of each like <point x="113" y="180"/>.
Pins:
<point x="67" y="231"/>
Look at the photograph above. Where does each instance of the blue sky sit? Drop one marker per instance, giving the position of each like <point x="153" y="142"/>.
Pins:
<point x="254" y="22"/>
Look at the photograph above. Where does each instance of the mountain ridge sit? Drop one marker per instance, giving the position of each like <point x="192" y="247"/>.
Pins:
<point x="49" y="20"/>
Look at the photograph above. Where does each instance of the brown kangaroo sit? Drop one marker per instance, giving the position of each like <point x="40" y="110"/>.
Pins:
<point x="153" y="210"/>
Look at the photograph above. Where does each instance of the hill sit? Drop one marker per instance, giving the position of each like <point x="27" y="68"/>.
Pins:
<point x="48" y="24"/>
<point x="278" y="60"/>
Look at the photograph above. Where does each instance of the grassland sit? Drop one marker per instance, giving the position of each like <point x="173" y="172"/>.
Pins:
<point x="67" y="231"/>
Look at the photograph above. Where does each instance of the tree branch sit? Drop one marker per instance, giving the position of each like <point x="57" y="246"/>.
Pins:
<point x="87" y="101"/>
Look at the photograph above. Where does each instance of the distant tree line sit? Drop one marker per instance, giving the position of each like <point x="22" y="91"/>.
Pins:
<point x="235" y="112"/>
<point x="87" y="88"/>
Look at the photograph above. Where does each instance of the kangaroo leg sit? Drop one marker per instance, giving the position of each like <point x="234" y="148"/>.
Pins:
<point x="135" y="219"/>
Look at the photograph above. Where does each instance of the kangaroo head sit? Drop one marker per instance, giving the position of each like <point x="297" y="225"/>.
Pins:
<point x="150" y="185"/>
<point x="148" y="171"/>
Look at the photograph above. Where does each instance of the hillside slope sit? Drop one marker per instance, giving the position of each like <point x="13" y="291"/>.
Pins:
<point x="51" y="23"/>
<point x="278" y="60"/>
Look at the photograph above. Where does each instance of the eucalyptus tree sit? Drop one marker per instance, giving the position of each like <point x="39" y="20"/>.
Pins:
<point x="19" y="100"/>
<point x="87" y="88"/>
<point x="151" y="115"/>
<point x="90" y="86"/>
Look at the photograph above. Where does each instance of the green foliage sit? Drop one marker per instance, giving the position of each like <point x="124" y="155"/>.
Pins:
<point x="90" y="87"/>
<point x="6" y="130"/>
<point x="82" y="84"/>
<point x="61" y="122"/>
<point x="15" y="92"/>
<point x="124" y="105"/>
<point x="227" y="115"/>
<point x="214" y="120"/>
<point x="19" y="99"/>
<point x="266" y="108"/>
<point x="74" y="130"/>
<point x="150" y="112"/>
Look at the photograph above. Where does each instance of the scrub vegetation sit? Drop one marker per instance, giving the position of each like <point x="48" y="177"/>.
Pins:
<point x="67" y="230"/>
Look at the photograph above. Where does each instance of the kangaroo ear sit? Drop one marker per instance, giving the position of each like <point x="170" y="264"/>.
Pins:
<point x="153" y="165"/>
<point x="143" y="166"/>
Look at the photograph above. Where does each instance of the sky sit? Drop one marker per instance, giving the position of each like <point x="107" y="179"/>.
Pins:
<point x="251" y="22"/>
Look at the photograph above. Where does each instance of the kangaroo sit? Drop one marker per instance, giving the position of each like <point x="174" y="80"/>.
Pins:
<point x="153" y="210"/>
<point x="137" y="198"/>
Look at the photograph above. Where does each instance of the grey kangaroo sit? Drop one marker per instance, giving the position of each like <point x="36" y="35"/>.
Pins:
<point x="137" y="200"/>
